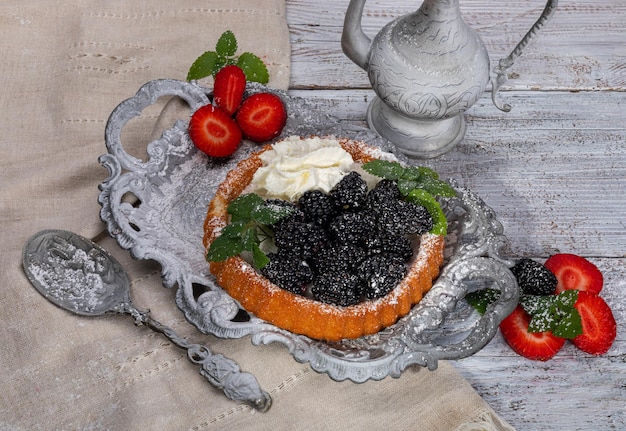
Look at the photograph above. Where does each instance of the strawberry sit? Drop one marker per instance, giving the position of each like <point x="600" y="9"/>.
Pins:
<point x="228" y="88"/>
<point x="532" y="345"/>
<point x="262" y="116"/>
<point x="214" y="132"/>
<point x="575" y="272"/>
<point x="599" y="327"/>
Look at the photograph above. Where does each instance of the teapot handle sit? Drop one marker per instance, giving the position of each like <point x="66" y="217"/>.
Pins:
<point x="505" y="63"/>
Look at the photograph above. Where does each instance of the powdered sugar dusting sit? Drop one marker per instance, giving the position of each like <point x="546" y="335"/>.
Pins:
<point x="75" y="275"/>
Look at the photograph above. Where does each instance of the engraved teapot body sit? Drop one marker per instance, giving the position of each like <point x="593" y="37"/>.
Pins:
<point x="426" y="68"/>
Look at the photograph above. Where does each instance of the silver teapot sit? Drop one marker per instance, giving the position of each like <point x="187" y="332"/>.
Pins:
<point x="426" y="68"/>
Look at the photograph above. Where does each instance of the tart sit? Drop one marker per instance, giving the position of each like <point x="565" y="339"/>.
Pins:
<point x="299" y="313"/>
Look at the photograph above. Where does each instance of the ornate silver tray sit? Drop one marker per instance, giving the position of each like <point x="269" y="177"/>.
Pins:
<point x="156" y="208"/>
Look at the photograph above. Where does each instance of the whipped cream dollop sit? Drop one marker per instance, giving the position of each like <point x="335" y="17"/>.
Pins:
<point x="295" y="165"/>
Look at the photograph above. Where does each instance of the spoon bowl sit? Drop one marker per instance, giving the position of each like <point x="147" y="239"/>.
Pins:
<point x="76" y="274"/>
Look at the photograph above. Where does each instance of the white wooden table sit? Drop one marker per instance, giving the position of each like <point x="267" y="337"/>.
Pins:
<point x="553" y="169"/>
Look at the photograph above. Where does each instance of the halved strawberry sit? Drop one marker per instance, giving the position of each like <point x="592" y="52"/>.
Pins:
<point x="262" y="116"/>
<point x="599" y="327"/>
<point x="214" y="132"/>
<point x="532" y="345"/>
<point x="575" y="272"/>
<point x="228" y="88"/>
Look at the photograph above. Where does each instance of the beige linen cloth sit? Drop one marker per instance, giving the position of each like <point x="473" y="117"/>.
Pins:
<point x="65" y="65"/>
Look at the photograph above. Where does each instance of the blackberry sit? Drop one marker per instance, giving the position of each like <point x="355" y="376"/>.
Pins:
<point x="403" y="218"/>
<point x="417" y="219"/>
<point x="385" y="191"/>
<point x="381" y="274"/>
<point x="338" y="288"/>
<point x="337" y="257"/>
<point x="296" y="214"/>
<point x="533" y="278"/>
<point x="299" y="238"/>
<point x="317" y="207"/>
<point x="384" y="243"/>
<point x="352" y="227"/>
<point x="350" y="193"/>
<point x="288" y="272"/>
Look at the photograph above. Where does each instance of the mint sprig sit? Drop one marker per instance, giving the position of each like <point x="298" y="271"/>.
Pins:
<point x="481" y="299"/>
<point x="249" y="216"/>
<point x="554" y="313"/>
<point x="419" y="185"/>
<point x="210" y="62"/>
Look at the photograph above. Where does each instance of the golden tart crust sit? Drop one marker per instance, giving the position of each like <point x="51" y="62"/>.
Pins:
<point x="297" y="313"/>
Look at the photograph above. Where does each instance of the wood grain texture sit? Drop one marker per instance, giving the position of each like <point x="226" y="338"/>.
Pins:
<point x="553" y="169"/>
<point x="560" y="59"/>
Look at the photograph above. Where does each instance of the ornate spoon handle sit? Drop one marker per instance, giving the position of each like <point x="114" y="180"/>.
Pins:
<point x="222" y="372"/>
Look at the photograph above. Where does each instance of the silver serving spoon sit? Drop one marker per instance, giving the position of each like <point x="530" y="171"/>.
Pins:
<point x="78" y="275"/>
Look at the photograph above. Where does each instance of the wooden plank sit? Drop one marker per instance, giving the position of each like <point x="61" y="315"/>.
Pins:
<point x="554" y="174"/>
<point x="583" y="47"/>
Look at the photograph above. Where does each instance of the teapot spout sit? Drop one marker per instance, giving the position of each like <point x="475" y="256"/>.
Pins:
<point x="354" y="42"/>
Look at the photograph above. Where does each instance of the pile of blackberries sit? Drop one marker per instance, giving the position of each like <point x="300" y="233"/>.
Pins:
<point x="348" y="245"/>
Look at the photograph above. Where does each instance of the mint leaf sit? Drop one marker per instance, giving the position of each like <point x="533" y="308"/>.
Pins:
<point x="252" y="207"/>
<point x="234" y="230"/>
<point x="253" y="67"/>
<point x="226" y="45"/>
<point x="480" y="299"/>
<point x="406" y="186"/>
<point x="241" y="208"/>
<point x="224" y="247"/>
<point x="567" y="298"/>
<point x="269" y="214"/>
<point x="543" y="312"/>
<point x="207" y="64"/>
<point x="554" y="313"/>
<point x="249" y="239"/>
<point x="260" y="258"/>
<point x="250" y="214"/>
<point x="435" y="186"/>
<point x="384" y="169"/>
<point x="419" y="172"/>
<point x="569" y="326"/>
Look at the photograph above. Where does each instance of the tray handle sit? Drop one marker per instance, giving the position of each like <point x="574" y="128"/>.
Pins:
<point x="455" y="275"/>
<point x="194" y="95"/>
